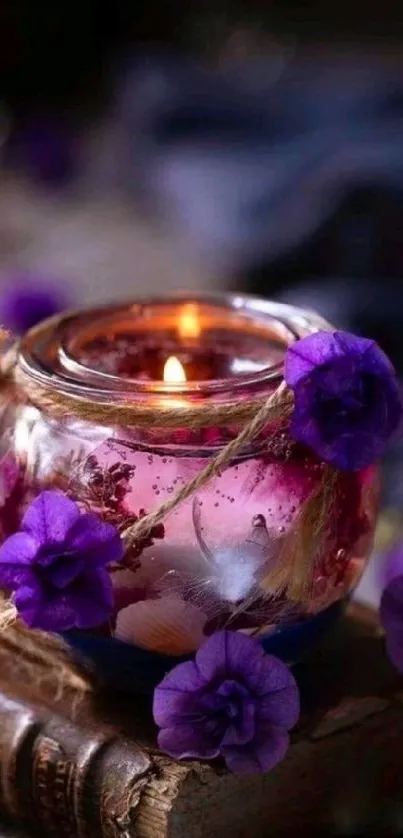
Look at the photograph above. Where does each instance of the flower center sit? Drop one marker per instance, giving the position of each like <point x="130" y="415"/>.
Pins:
<point x="232" y="695"/>
<point x="343" y="397"/>
<point x="57" y="568"/>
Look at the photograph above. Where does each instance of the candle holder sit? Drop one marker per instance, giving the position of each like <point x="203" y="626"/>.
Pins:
<point x="227" y="519"/>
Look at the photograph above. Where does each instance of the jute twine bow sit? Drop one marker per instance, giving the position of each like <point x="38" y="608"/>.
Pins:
<point x="292" y="573"/>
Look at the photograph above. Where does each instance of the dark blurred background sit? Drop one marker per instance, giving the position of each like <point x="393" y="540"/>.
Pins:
<point x="245" y="145"/>
<point x="209" y="144"/>
<point x="300" y="106"/>
<point x="55" y="53"/>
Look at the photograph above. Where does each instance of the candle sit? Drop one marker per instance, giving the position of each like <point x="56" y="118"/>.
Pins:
<point x="173" y="371"/>
<point x="177" y="361"/>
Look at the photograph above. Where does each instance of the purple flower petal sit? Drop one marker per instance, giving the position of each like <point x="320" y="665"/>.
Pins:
<point x="49" y="517"/>
<point x="243" y="731"/>
<point x="171" y="697"/>
<point x="187" y="740"/>
<point x="304" y="356"/>
<point x="19" y="548"/>
<point x="29" y="600"/>
<point x="226" y="653"/>
<point x="260" y="756"/>
<point x="231" y="653"/>
<point x="83" y="609"/>
<point x="16" y="554"/>
<point x="12" y="576"/>
<point x="280" y="708"/>
<point x="28" y="300"/>
<point x="349" y="452"/>
<point x="348" y="403"/>
<point x="64" y="569"/>
<point x="375" y="359"/>
<point x="346" y="343"/>
<point x="56" y="614"/>
<point x="99" y="542"/>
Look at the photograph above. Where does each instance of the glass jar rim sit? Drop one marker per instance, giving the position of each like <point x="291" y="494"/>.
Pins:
<point x="45" y="352"/>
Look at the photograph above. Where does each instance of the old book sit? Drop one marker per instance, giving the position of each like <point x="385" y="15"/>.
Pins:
<point x="92" y="768"/>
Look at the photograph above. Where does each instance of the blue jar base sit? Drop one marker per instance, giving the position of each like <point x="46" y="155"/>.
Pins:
<point x="128" y="668"/>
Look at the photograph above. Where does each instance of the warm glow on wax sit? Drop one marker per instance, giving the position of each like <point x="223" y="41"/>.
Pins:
<point x="189" y="322"/>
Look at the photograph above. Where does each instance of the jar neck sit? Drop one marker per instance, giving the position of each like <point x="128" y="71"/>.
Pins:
<point x="112" y="353"/>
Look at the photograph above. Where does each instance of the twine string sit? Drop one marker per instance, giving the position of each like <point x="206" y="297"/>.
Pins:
<point x="249" y="432"/>
<point x="293" y="570"/>
<point x="156" y="412"/>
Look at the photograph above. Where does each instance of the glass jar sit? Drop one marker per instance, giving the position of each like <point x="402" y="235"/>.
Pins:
<point x="204" y="566"/>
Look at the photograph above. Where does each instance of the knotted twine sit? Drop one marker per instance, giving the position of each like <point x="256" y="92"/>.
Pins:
<point x="293" y="571"/>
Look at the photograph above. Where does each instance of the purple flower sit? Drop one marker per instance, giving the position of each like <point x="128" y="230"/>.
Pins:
<point x="391" y="608"/>
<point x="232" y="701"/>
<point x="56" y="565"/>
<point x="347" y="400"/>
<point x="28" y="300"/>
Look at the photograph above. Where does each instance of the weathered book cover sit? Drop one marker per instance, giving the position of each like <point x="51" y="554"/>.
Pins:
<point x="76" y="760"/>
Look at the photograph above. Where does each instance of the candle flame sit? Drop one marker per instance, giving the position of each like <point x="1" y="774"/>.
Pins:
<point x="173" y="371"/>
<point x="189" y="322"/>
